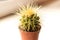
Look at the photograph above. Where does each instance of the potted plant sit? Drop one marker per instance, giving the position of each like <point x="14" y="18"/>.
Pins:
<point x="29" y="23"/>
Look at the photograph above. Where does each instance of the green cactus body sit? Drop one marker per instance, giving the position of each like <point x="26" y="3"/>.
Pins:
<point x="30" y="20"/>
<point x="30" y="23"/>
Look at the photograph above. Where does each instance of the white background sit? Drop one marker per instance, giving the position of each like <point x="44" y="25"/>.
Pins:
<point x="50" y="16"/>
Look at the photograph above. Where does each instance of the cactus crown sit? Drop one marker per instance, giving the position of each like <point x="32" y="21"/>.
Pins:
<point x="29" y="19"/>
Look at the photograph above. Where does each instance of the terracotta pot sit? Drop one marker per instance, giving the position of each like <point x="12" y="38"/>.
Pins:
<point x="29" y="35"/>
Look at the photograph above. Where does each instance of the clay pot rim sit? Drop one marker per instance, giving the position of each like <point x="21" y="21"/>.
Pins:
<point x="29" y="32"/>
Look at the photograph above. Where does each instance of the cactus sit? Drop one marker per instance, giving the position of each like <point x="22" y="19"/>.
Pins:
<point x="29" y="19"/>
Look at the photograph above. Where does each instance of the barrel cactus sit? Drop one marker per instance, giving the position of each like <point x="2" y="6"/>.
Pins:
<point x="29" y="20"/>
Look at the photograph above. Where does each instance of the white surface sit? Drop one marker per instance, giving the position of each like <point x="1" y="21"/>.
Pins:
<point x="50" y="15"/>
<point x="9" y="28"/>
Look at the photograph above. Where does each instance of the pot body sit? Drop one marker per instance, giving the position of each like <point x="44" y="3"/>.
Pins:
<point x="29" y="35"/>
